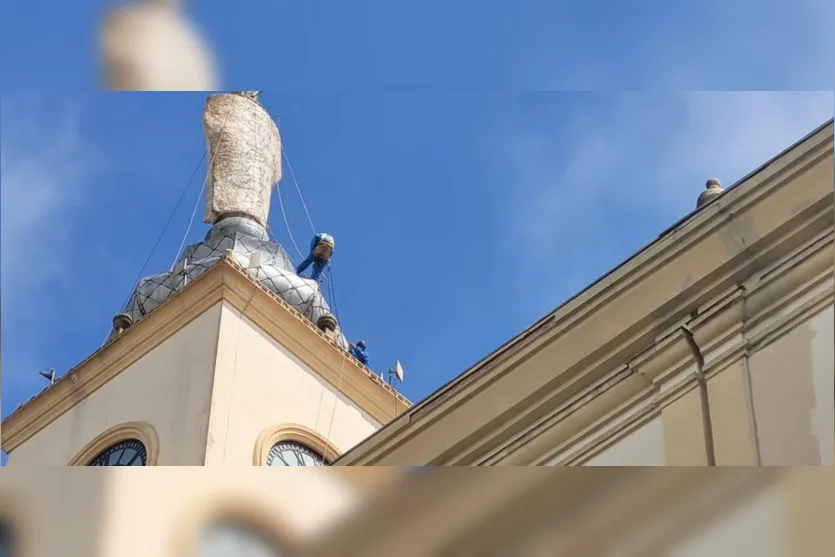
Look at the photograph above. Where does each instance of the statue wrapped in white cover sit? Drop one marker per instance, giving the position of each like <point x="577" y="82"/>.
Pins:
<point x="244" y="154"/>
<point x="244" y="164"/>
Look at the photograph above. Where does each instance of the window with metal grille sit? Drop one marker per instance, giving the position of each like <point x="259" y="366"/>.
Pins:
<point x="130" y="452"/>
<point x="290" y="453"/>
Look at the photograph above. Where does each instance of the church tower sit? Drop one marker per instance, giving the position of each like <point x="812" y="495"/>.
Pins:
<point x="229" y="358"/>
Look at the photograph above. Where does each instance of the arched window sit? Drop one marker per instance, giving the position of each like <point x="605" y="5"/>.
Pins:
<point x="232" y="539"/>
<point x="130" y="452"/>
<point x="290" y="453"/>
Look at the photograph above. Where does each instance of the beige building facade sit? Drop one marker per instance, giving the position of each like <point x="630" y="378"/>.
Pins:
<point x="713" y="346"/>
<point x="595" y="511"/>
<point x="175" y="511"/>
<point x="442" y="512"/>
<point x="229" y="358"/>
<point x="215" y="377"/>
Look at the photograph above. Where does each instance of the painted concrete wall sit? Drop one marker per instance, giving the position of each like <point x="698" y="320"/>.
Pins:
<point x="290" y="505"/>
<point x="169" y="387"/>
<point x="756" y="526"/>
<point x="259" y="384"/>
<point x="792" y="386"/>
<point x="779" y="411"/>
<point x="51" y="516"/>
<point x="790" y="516"/>
<point x="209" y="391"/>
<point x="118" y="512"/>
<point x="642" y="447"/>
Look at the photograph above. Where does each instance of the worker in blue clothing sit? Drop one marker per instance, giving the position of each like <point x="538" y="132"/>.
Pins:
<point x="358" y="352"/>
<point x="321" y="250"/>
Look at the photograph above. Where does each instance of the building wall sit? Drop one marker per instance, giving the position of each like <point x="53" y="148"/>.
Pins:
<point x="757" y="526"/>
<point x="108" y="512"/>
<point x="642" y="447"/>
<point x="774" y="408"/>
<point x="792" y="392"/>
<point x="51" y="516"/>
<point x="681" y="511"/>
<point x="790" y="517"/>
<point x="169" y="388"/>
<point x="287" y="507"/>
<point x="260" y="386"/>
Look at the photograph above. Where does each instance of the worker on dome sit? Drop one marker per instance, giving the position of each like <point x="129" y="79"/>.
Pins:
<point x="358" y="352"/>
<point x="321" y="250"/>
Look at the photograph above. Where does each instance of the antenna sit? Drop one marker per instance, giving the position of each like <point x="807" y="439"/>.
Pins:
<point x="396" y="373"/>
<point x="48" y="375"/>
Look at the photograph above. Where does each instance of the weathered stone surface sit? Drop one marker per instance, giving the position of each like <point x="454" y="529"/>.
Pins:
<point x="244" y="156"/>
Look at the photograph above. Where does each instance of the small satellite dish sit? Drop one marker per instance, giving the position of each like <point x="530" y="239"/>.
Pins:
<point x="398" y="371"/>
<point x="49" y="375"/>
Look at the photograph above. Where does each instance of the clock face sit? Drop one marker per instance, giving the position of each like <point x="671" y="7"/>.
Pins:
<point x="288" y="453"/>
<point x="123" y="453"/>
<point x="233" y="540"/>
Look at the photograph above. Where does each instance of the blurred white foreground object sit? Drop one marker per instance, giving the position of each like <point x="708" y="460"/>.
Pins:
<point x="150" y="46"/>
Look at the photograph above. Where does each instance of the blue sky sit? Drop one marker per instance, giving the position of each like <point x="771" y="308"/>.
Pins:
<point x="462" y="45"/>
<point x="467" y="196"/>
<point x="459" y="218"/>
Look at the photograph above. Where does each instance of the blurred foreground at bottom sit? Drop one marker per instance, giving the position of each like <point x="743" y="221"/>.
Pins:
<point x="404" y="512"/>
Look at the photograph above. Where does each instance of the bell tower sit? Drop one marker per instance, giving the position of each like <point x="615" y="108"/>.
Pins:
<point x="228" y="358"/>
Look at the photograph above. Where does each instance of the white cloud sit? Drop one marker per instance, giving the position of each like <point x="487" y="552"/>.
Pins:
<point x="706" y="45"/>
<point x="653" y="153"/>
<point x="589" y="193"/>
<point x="45" y="171"/>
<point x="44" y="167"/>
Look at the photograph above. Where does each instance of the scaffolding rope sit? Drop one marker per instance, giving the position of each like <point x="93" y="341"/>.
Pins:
<point x="191" y="221"/>
<point x="287" y="224"/>
<point x="164" y="229"/>
<point x="298" y="189"/>
<point x="168" y="223"/>
<point x="275" y="118"/>
<point x="203" y="187"/>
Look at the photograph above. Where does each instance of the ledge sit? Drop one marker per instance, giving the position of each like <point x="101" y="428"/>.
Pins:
<point x="224" y="281"/>
<point x="737" y="236"/>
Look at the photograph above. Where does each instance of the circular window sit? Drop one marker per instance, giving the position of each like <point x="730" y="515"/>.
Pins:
<point x="124" y="453"/>
<point x="290" y="453"/>
<point x="235" y="540"/>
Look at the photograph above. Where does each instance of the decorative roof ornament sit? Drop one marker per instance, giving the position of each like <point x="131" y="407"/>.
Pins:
<point x="244" y="157"/>
<point x="713" y="189"/>
<point x="244" y="165"/>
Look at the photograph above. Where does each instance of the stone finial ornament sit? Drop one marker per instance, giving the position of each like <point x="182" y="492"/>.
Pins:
<point x="713" y="189"/>
<point x="244" y="154"/>
<point x="327" y="323"/>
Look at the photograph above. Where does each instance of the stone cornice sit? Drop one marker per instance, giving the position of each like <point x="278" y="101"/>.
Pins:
<point x="729" y="328"/>
<point x="224" y="282"/>
<point x="755" y="223"/>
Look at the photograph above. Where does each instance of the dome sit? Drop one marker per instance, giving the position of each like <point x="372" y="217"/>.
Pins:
<point x="241" y="236"/>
